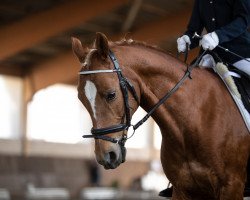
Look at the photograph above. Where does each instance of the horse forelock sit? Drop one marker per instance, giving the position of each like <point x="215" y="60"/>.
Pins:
<point x="87" y="60"/>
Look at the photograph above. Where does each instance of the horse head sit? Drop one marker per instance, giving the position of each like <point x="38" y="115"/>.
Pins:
<point x="103" y="91"/>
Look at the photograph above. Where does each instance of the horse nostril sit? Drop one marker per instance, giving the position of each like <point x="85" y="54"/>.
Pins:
<point x="110" y="157"/>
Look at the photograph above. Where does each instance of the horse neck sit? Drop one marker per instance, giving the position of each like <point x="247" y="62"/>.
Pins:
<point x="202" y="97"/>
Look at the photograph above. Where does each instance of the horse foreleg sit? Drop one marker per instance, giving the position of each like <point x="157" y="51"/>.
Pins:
<point x="177" y="195"/>
<point x="232" y="191"/>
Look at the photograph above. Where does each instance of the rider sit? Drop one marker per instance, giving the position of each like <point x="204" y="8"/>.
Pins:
<point x="227" y="23"/>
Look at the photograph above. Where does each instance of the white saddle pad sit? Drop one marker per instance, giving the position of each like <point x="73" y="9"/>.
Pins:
<point x="226" y="76"/>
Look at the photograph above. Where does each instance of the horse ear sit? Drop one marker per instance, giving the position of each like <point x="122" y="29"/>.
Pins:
<point x="101" y="44"/>
<point x="78" y="49"/>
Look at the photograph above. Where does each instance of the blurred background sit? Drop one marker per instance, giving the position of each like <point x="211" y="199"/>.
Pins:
<point x="42" y="153"/>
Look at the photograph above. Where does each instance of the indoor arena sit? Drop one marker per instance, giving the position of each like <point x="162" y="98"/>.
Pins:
<point x="48" y="148"/>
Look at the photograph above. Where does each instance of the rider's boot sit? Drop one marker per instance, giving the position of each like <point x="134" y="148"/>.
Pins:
<point x="167" y="192"/>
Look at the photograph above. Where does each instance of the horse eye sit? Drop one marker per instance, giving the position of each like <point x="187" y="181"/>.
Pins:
<point x="111" y="96"/>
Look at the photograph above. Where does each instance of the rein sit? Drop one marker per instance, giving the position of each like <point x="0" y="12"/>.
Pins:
<point x="125" y="85"/>
<point x="223" y="48"/>
<point x="174" y="89"/>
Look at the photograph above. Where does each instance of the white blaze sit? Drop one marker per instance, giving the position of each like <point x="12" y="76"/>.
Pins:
<point x="90" y="92"/>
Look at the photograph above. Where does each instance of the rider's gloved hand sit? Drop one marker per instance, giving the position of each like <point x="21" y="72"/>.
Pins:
<point x="209" y="41"/>
<point x="181" y="43"/>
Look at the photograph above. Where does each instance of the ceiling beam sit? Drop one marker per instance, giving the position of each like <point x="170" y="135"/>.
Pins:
<point x="11" y="70"/>
<point x="135" y="8"/>
<point x="64" y="68"/>
<point x="171" y="26"/>
<point x="39" y="27"/>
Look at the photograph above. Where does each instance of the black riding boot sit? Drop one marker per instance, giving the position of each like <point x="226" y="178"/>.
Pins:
<point x="167" y="192"/>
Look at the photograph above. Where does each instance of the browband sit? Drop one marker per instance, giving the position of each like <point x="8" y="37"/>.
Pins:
<point x="99" y="71"/>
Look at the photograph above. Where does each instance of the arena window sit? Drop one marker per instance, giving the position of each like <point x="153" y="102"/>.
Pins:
<point x="10" y="107"/>
<point x="56" y="115"/>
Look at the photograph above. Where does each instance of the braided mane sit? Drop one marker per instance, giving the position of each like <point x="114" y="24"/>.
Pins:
<point x="123" y="42"/>
<point x="131" y="42"/>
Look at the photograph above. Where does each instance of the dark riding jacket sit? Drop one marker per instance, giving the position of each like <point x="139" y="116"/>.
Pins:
<point x="230" y="19"/>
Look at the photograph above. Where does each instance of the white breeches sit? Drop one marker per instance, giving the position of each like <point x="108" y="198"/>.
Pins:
<point x="243" y="65"/>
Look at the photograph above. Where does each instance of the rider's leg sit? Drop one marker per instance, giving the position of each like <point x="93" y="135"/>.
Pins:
<point x="243" y="65"/>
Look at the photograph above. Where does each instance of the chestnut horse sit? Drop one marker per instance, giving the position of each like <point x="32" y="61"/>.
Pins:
<point x="205" y="143"/>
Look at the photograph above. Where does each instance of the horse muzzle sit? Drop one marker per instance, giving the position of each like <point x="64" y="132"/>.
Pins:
<point x="112" y="159"/>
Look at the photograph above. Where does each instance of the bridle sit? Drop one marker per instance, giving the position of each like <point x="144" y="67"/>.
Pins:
<point x="126" y="86"/>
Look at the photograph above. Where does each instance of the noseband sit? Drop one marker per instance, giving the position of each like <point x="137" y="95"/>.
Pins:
<point x="125" y="86"/>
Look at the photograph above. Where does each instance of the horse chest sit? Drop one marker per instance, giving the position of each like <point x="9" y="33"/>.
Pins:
<point x="192" y="176"/>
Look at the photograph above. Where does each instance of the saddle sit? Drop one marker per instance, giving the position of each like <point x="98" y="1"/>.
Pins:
<point x="242" y="82"/>
<point x="236" y="81"/>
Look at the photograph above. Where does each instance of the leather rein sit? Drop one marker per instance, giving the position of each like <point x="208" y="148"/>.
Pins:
<point x="126" y="86"/>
